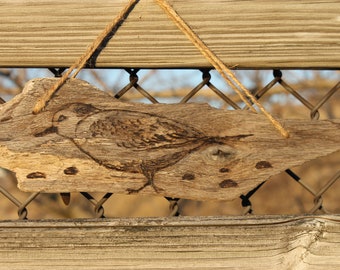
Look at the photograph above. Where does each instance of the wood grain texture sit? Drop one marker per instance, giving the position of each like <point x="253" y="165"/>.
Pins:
<point x="244" y="34"/>
<point x="305" y="242"/>
<point x="87" y="140"/>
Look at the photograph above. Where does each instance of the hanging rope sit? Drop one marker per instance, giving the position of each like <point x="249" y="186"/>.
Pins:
<point x="224" y="71"/>
<point x="80" y="63"/>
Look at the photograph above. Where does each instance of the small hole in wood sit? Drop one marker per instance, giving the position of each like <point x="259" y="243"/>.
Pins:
<point x="228" y="183"/>
<point x="36" y="175"/>
<point x="263" y="165"/>
<point x="71" y="171"/>
<point x="224" y="170"/>
<point x="188" y="176"/>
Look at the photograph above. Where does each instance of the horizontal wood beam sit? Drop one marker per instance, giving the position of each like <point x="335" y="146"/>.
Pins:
<point x="244" y="34"/>
<point x="173" y="243"/>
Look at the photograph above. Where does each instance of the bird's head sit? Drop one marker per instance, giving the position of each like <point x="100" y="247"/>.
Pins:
<point x="70" y="115"/>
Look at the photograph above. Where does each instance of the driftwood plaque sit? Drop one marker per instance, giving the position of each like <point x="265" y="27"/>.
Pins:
<point x="86" y="140"/>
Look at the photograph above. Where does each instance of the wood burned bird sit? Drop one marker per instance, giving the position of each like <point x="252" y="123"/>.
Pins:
<point x="130" y="141"/>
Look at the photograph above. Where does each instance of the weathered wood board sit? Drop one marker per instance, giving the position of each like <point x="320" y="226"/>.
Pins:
<point x="252" y="242"/>
<point x="244" y="34"/>
<point x="86" y="140"/>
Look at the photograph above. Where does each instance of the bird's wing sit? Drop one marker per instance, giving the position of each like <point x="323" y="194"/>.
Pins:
<point x="137" y="130"/>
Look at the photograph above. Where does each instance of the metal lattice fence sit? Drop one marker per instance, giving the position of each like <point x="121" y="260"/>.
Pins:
<point x="307" y="189"/>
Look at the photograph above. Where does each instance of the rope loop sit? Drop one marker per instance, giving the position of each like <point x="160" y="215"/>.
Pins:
<point x="224" y="71"/>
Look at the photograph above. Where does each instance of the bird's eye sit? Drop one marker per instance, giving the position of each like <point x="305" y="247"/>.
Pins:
<point x="62" y="118"/>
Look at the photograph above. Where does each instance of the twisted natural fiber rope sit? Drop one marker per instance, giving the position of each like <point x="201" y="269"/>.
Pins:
<point x="207" y="53"/>
<point x="80" y="63"/>
<point x="224" y="71"/>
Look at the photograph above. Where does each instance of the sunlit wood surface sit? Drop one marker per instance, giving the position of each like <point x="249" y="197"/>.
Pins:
<point x="270" y="242"/>
<point x="244" y="34"/>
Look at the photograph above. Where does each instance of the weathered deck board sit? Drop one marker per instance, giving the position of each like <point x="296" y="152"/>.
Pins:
<point x="304" y="242"/>
<point x="245" y="34"/>
<point x="86" y="140"/>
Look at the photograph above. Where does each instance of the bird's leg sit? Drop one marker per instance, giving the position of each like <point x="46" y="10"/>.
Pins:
<point x="149" y="174"/>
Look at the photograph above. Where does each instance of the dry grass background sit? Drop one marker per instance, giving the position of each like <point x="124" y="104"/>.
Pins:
<point x="279" y="195"/>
